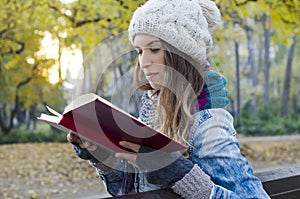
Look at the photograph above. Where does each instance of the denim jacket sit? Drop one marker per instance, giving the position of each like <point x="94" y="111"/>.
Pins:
<point x="215" y="149"/>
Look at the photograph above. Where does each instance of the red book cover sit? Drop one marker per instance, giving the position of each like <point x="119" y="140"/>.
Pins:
<point x="97" y="120"/>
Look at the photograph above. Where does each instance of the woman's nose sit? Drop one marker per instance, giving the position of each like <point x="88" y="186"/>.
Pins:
<point x="145" y="59"/>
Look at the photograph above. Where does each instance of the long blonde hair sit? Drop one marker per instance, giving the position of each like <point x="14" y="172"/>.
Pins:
<point x="176" y="98"/>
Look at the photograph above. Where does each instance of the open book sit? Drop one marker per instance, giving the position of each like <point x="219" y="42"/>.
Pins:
<point x="95" y="119"/>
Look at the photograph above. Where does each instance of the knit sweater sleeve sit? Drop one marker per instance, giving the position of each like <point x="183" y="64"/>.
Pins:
<point x="194" y="185"/>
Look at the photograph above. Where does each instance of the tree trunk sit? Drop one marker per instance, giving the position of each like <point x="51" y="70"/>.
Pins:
<point x="260" y="57"/>
<point x="295" y="104"/>
<point x="287" y="81"/>
<point x="3" y="118"/>
<point x="267" y="34"/>
<point x="7" y="120"/>
<point x="6" y="128"/>
<point x="59" y="70"/>
<point x="27" y="119"/>
<point x="34" y="116"/>
<point x="253" y="69"/>
<point x="238" y="99"/>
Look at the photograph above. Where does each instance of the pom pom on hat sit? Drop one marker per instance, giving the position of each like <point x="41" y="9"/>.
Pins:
<point x="211" y="13"/>
<point x="184" y="24"/>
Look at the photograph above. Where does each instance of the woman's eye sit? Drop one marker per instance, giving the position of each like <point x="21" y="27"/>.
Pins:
<point x="155" y="49"/>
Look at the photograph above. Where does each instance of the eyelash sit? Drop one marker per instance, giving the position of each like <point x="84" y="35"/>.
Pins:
<point x="153" y="50"/>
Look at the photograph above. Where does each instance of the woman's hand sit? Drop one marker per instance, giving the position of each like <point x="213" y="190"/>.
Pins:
<point x="146" y="158"/>
<point x="162" y="168"/>
<point x="88" y="151"/>
<point x="130" y="157"/>
<point x="82" y="147"/>
<point x="74" y="139"/>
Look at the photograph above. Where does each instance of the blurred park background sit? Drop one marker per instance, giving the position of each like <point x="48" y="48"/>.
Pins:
<point x="52" y="51"/>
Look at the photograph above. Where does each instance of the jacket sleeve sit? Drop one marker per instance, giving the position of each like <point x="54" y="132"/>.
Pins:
<point x="117" y="175"/>
<point x="216" y="150"/>
<point x="118" y="181"/>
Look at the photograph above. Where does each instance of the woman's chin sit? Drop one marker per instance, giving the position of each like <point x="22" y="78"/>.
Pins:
<point x="155" y="86"/>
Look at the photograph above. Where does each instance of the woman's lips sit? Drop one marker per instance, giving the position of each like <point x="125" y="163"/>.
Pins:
<point x="150" y="76"/>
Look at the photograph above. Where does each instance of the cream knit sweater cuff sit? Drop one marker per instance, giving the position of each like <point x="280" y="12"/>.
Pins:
<point x="195" y="184"/>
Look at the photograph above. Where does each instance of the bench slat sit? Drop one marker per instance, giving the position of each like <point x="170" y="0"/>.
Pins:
<point x="281" y="181"/>
<point x="279" y="184"/>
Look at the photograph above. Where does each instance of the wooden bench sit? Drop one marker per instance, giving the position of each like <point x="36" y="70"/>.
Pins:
<point x="279" y="184"/>
<point x="282" y="183"/>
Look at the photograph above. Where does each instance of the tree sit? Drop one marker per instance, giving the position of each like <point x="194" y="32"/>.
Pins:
<point x="280" y="22"/>
<point x="88" y="23"/>
<point x="266" y="21"/>
<point x="23" y="71"/>
<point x="287" y="13"/>
<point x="244" y="15"/>
<point x="23" y="74"/>
<point x="287" y="81"/>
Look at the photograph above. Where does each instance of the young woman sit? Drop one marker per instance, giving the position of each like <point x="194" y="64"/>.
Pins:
<point x="183" y="101"/>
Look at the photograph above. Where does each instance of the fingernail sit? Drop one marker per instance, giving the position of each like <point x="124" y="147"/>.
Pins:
<point x="122" y="143"/>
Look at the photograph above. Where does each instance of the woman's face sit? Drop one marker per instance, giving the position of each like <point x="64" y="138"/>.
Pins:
<point x="151" y="59"/>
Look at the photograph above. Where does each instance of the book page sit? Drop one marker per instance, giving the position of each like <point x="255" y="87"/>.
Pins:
<point x="53" y="121"/>
<point x="50" y="118"/>
<point x="53" y="111"/>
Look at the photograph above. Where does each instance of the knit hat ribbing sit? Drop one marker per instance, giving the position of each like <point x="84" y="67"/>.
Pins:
<point x="185" y="24"/>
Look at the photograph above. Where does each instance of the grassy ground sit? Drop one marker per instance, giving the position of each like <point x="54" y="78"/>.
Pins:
<point x="45" y="171"/>
<point x="52" y="170"/>
<point x="272" y="152"/>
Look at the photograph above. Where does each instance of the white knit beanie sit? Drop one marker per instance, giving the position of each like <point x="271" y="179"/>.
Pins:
<point x="185" y="24"/>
